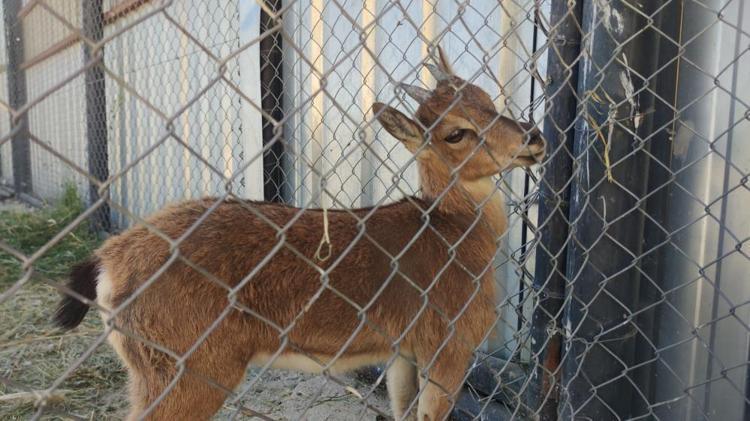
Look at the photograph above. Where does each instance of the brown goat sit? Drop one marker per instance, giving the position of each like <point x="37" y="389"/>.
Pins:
<point x="410" y="284"/>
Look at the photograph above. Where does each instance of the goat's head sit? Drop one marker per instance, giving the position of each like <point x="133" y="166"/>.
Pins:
<point x="458" y="127"/>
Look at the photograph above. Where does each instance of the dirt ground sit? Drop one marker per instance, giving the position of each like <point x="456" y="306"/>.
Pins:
<point x="294" y="396"/>
<point x="34" y="355"/>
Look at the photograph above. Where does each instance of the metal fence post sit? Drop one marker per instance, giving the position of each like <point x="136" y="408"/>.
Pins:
<point x="607" y="224"/>
<point x="554" y="192"/>
<point x="21" y="148"/>
<point x="661" y="131"/>
<point x="272" y="91"/>
<point x="96" y="111"/>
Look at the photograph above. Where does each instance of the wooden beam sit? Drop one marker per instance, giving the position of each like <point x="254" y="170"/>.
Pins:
<point x="25" y="10"/>
<point x="121" y="9"/>
<point x="55" y="48"/>
<point x="117" y="11"/>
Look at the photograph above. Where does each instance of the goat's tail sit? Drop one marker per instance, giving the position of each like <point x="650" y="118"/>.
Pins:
<point x="71" y="310"/>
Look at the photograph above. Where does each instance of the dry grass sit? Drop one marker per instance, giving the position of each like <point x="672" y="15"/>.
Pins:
<point x="33" y="353"/>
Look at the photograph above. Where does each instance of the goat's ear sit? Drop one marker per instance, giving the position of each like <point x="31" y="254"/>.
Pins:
<point x="400" y="126"/>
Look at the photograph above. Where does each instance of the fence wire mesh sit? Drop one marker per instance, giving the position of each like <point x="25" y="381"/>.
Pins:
<point x="322" y="230"/>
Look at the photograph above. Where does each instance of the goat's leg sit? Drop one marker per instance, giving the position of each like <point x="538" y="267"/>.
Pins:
<point x="193" y="393"/>
<point x="401" y="380"/>
<point x="159" y="390"/>
<point x="190" y="398"/>
<point x="439" y="389"/>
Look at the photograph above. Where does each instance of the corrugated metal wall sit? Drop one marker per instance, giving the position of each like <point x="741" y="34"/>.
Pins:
<point x="145" y="87"/>
<point x="59" y="119"/>
<point x="158" y="81"/>
<point x="705" y="332"/>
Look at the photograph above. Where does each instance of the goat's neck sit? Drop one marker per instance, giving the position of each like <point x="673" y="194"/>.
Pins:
<point x="475" y="197"/>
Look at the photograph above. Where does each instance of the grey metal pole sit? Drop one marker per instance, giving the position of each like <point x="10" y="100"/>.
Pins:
<point x="21" y="149"/>
<point x="549" y="275"/>
<point x="96" y="112"/>
<point x="608" y="222"/>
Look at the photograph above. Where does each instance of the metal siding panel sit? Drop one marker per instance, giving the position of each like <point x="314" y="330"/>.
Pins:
<point x="169" y="75"/>
<point x="59" y="119"/>
<point x="700" y="295"/>
<point x="343" y="113"/>
<point x="399" y="59"/>
<point x="250" y="119"/>
<point x="728" y="336"/>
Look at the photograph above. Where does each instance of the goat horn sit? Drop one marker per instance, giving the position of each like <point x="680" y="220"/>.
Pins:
<point x="443" y="70"/>
<point x="418" y="94"/>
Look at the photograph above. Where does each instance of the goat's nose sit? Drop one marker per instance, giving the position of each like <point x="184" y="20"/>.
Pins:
<point x="534" y="134"/>
<point x="535" y="138"/>
<point x="526" y="126"/>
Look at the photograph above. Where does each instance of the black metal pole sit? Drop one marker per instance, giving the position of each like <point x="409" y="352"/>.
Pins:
<point x="608" y="222"/>
<point x="549" y="276"/>
<point x="661" y="129"/>
<point x="272" y="94"/>
<point x="21" y="149"/>
<point x="96" y="111"/>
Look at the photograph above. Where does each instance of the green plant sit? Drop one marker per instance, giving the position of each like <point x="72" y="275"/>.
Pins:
<point x="28" y="231"/>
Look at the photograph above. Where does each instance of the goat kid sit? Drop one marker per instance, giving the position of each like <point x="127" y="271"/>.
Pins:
<point x="409" y="284"/>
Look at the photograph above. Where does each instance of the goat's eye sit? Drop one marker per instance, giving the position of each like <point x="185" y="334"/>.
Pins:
<point x="455" y="136"/>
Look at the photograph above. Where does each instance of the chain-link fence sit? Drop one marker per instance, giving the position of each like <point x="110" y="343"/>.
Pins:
<point x="608" y="281"/>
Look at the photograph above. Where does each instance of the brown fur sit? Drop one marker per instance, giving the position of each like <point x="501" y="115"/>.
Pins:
<point x="417" y="278"/>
